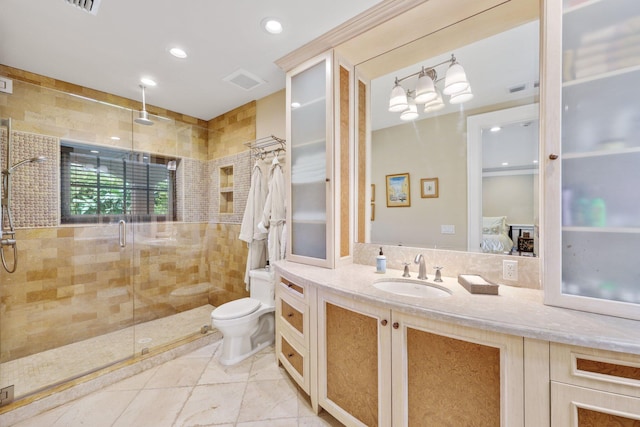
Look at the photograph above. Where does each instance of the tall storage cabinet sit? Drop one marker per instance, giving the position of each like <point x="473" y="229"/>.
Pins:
<point x="592" y="144"/>
<point x="318" y="138"/>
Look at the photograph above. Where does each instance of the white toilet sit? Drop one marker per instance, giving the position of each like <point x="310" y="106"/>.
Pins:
<point x="247" y="324"/>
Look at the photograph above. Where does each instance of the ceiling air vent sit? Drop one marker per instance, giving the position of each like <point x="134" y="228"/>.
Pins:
<point x="90" y="6"/>
<point x="244" y="79"/>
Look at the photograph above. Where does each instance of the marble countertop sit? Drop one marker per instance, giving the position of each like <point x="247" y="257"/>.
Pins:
<point x="515" y="311"/>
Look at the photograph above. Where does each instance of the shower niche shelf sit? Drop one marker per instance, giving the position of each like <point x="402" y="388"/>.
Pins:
<point x="226" y="189"/>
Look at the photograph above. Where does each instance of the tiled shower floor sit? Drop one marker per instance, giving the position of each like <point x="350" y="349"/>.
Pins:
<point x="33" y="373"/>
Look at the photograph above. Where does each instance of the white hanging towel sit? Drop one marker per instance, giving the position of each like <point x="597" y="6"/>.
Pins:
<point x="273" y="218"/>
<point x="249" y="231"/>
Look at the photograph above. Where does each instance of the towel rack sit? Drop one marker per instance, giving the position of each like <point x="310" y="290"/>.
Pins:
<point x="261" y="146"/>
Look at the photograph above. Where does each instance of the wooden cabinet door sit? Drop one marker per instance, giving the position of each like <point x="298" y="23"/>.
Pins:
<point x="445" y="374"/>
<point x="354" y="362"/>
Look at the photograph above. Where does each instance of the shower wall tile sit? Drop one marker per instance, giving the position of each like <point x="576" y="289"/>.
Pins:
<point x="227" y="257"/>
<point x="80" y="278"/>
<point x="35" y="194"/>
<point x="241" y="182"/>
<point x="49" y="84"/>
<point x="228" y="132"/>
<point x="192" y="182"/>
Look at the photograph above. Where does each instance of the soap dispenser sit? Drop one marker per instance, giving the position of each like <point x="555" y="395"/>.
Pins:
<point x="381" y="262"/>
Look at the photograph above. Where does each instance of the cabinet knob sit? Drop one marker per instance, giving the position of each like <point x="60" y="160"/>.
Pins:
<point x="290" y="355"/>
<point x="396" y="325"/>
<point x="327" y="180"/>
<point x="553" y="156"/>
<point x="383" y="322"/>
<point x="290" y="315"/>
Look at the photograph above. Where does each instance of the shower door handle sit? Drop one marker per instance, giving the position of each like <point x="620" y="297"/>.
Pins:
<point x="122" y="232"/>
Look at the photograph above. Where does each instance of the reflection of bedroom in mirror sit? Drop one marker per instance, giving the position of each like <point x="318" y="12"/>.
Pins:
<point x="504" y="72"/>
<point x="502" y="160"/>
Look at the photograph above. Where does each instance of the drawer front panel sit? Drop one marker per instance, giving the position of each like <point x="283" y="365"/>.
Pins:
<point x="292" y="316"/>
<point x="294" y="289"/>
<point x="294" y="358"/>
<point x="584" y="407"/>
<point x="599" y="369"/>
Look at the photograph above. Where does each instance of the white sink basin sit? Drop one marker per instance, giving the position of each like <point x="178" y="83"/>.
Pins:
<point x="412" y="288"/>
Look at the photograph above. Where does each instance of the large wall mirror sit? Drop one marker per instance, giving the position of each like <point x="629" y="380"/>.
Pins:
<point x="470" y="186"/>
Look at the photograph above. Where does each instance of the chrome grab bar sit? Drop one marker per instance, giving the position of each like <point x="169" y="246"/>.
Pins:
<point x="122" y="232"/>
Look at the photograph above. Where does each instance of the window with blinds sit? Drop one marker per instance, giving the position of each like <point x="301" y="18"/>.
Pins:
<point x="100" y="184"/>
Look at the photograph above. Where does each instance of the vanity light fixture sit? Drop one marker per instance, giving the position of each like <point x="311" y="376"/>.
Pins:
<point x="456" y="86"/>
<point x="411" y="113"/>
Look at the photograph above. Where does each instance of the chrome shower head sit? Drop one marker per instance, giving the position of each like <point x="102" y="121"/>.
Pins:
<point x="143" y="118"/>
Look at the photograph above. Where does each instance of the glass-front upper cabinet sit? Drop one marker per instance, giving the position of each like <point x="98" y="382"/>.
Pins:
<point x="592" y="171"/>
<point x="318" y="112"/>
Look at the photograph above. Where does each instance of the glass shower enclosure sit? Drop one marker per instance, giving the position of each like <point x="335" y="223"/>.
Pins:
<point x="109" y="263"/>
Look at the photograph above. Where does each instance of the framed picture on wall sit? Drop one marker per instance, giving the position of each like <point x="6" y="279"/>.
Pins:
<point x="428" y="188"/>
<point x="398" y="195"/>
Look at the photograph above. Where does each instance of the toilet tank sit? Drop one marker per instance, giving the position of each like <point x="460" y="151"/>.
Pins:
<point x="263" y="285"/>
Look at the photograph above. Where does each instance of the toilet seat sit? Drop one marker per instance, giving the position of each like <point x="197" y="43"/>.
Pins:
<point x="236" y="308"/>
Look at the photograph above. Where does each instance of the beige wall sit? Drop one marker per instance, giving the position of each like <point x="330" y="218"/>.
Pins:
<point x="511" y="196"/>
<point x="271" y="116"/>
<point x="427" y="148"/>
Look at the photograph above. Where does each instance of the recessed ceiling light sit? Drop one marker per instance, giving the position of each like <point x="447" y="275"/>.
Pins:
<point x="115" y="138"/>
<point x="295" y="105"/>
<point x="147" y="81"/>
<point x="495" y="129"/>
<point x="178" y="53"/>
<point x="272" y="25"/>
<point x="505" y="164"/>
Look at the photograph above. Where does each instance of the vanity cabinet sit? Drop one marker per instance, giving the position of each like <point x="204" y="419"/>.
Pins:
<point x="591" y="71"/>
<point x="295" y="333"/>
<point x="318" y="147"/>
<point x="592" y="387"/>
<point x="437" y="372"/>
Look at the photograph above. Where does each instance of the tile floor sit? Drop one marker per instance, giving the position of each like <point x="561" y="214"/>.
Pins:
<point x="194" y="390"/>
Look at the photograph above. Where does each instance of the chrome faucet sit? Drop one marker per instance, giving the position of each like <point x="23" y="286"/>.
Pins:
<point x="422" y="270"/>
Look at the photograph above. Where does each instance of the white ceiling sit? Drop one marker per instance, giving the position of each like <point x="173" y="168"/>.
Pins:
<point x="130" y="39"/>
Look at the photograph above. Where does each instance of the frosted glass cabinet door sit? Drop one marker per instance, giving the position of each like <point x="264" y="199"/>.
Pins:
<point x="600" y="157"/>
<point x="308" y="147"/>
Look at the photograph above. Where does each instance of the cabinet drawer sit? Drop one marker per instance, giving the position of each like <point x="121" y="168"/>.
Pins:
<point x="294" y="358"/>
<point x="294" y="289"/>
<point x="599" y="369"/>
<point x="583" y="407"/>
<point x="292" y="315"/>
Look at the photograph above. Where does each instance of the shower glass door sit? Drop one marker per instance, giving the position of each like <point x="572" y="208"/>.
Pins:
<point x="68" y="309"/>
<point x="169" y="193"/>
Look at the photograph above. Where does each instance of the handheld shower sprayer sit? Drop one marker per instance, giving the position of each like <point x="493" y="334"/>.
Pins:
<point x="7" y="229"/>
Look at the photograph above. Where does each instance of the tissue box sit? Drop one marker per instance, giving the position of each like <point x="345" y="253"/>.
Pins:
<point x="477" y="284"/>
